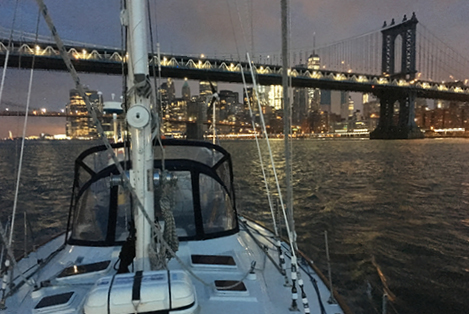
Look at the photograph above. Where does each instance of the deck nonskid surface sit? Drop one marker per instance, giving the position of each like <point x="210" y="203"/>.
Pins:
<point x="261" y="292"/>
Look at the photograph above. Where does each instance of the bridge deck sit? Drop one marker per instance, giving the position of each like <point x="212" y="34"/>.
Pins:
<point x="109" y="61"/>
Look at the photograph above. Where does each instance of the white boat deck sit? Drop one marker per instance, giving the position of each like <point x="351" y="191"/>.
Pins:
<point x="264" y="291"/>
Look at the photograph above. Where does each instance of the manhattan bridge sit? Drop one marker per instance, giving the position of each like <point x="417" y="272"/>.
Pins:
<point x="398" y="63"/>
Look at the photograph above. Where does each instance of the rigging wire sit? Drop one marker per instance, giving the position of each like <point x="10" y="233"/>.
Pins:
<point x="20" y="164"/>
<point x="155" y="228"/>
<point x="8" y="245"/>
<point x="447" y="57"/>
<point x="156" y="84"/>
<point x="278" y="243"/>
<point x="253" y="125"/>
<point x="288" y="102"/>
<point x="92" y="111"/>
<point x="269" y="196"/>
<point x="294" y="268"/>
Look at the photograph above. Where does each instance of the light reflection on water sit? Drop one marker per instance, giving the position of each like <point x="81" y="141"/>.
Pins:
<point x="399" y="207"/>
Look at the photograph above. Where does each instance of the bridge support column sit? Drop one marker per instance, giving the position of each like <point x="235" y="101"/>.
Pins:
<point x="385" y="127"/>
<point x="405" y="127"/>
<point x="195" y="130"/>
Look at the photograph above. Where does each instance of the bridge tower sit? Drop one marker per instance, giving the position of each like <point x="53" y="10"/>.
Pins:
<point x="404" y="33"/>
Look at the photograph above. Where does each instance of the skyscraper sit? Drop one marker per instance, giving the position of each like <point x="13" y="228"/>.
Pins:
<point x="205" y="88"/>
<point x="314" y="61"/>
<point x="307" y="100"/>
<point x="81" y="125"/>
<point x="300" y="105"/>
<point x="227" y="105"/>
<point x="168" y="93"/>
<point x="275" y="96"/>
<point x="347" y="106"/>
<point x="326" y="101"/>
<point x="186" y="91"/>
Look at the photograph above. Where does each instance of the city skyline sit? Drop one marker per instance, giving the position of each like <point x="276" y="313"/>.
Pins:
<point x="97" y="22"/>
<point x="323" y="112"/>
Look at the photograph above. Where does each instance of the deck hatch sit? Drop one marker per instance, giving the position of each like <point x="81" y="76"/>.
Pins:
<point x="213" y="260"/>
<point x="83" y="269"/>
<point x="53" y="300"/>
<point x="230" y="285"/>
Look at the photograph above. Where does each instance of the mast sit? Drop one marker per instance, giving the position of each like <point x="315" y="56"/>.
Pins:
<point x="138" y="117"/>
<point x="286" y="112"/>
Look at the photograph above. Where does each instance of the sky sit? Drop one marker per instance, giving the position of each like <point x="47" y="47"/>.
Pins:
<point x="210" y="27"/>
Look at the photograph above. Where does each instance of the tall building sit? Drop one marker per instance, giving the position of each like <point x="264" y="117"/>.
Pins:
<point x="338" y="99"/>
<point x="168" y="93"/>
<point x="440" y="104"/>
<point x="307" y="100"/>
<point x="205" y="88"/>
<point x="326" y="101"/>
<point x="314" y="62"/>
<point x="275" y="97"/>
<point x="366" y="98"/>
<point x="81" y="125"/>
<point x="300" y="105"/>
<point x="249" y="98"/>
<point x="228" y="102"/>
<point x="186" y="91"/>
<point x="347" y="107"/>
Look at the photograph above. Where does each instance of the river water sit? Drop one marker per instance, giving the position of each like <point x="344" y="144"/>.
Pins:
<point x="396" y="212"/>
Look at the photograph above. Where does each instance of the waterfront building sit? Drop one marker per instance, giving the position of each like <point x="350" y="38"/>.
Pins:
<point x="113" y="120"/>
<point x="318" y="122"/>
<point x="456" y="116"/>
<point x="79" y="123"/>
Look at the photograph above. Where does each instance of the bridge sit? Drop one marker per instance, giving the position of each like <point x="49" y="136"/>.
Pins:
<point x="383" y="63"/>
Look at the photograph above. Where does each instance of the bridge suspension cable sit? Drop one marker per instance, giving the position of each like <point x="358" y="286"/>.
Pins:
<point x="437" y="60"/>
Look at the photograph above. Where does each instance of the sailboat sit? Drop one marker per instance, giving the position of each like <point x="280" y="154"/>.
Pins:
<point x="154" y="228"/>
